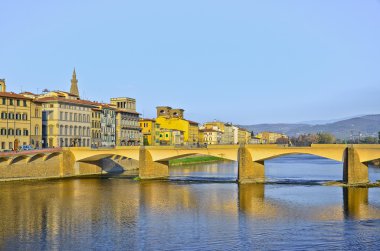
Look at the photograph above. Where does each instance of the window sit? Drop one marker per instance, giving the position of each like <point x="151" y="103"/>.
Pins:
<point x="36" y="130"/>
<point x="4" y="115"/>
<point x="18" y="132"/>
<point x="25" y="103"/>
<point x="4" y="101"/>
<point x="10" y="101"/>
<point x="10" y="131"/>
<point x="18" y="102"/>
<point x="11" y="115"/>
<point x="25" y="132"/>
<point x="25" y="116"/>
<point x="36" y="113"/>
<point x="3" y="131"/>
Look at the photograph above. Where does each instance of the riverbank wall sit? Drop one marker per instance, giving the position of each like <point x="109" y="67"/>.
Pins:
<point x="60" y="165"/>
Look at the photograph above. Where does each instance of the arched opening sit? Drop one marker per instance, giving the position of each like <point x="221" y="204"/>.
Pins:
<point x="300" y="168"/>
<point x="16" y="159"/>
<point x="200" y="166"/>
<point x="51" y="155"/>
<point x="35" y="157"/>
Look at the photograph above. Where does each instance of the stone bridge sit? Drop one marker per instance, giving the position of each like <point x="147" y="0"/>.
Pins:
<point x="153" y="160"/>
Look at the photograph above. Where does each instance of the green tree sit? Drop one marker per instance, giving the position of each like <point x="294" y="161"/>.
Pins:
<point x="369" y="140"/>
<point x="326" y="138"/>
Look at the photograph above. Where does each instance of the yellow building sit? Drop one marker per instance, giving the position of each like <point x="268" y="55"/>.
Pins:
<point x="173" y="119"/>
<point x="210" y="136"/>
<point x="66" y="122"/>
<point x="244" y="136"/>
<point x="171" y="137"/>
<point x="96" y="128"/>
<point x="21" y="121"/>
<point x="150" y="131"/>
<point x="225" y="128"/>
<point x="127" y="121"/>
<point x="271" y="137"/>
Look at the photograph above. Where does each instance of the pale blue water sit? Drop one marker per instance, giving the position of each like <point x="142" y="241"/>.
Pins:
<point x="199" y="208"/>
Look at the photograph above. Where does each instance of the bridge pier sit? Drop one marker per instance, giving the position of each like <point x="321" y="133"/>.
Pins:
<point x="354" y="171"/>
<point x="149" y="169"/>
<point x="249" y="171"/>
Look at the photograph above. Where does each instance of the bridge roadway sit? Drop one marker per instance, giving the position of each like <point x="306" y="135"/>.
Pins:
<point x="153" y="160"/>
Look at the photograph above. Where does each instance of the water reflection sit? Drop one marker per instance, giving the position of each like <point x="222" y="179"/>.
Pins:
<point x="119" y="213"/>
<point x="252" y="201"/>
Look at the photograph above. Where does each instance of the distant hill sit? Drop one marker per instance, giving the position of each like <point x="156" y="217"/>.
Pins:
<point x="368" y="125"/>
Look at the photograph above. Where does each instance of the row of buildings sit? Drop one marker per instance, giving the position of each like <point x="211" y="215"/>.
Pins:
<point x="63" y="119"/>
<point x="59" y="118"/>
<point x="171" y="128"/>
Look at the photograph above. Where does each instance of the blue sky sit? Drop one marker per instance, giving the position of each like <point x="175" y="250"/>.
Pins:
<point x="240" y="61"/>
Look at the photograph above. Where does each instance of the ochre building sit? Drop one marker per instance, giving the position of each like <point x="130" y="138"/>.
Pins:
<point x="21" y="122"/>
<point x="173" y="119"/>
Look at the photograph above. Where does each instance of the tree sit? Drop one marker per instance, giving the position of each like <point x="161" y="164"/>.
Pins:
<point x="282" y="141"/>
<point x="369" y="140"/>
<point x="326" y="138"/>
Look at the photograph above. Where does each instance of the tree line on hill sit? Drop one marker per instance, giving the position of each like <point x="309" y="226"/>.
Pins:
<point x="326" y="138"/>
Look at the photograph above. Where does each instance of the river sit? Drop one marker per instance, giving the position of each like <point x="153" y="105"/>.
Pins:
<point x="199" y="208"/>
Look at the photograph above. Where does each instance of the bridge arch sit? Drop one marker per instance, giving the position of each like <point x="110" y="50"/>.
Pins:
<point x="265" y="153"/>
<point x="162" y="155"/>
<point x="35" y="157"/>
<point x="16" y="159"/>
<point x="51" y="155"/>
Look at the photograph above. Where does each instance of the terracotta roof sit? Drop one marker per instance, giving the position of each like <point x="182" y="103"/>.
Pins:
<point x="192" y="122"/>
<point x="13" y="95"/>
<point x="28" y="93"/>
<point x="68" y="93"/>
<point x="65" y="100"/>
<point x="127" y="111"/>
<point x="146" y="119"/>
<point x="209" y="130"/>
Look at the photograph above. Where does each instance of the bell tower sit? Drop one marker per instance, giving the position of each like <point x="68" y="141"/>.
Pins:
<point x="74" y="84"/>
<point x="3" y="87"/>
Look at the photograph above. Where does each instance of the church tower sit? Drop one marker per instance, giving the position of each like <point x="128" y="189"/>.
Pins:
<point x="3" y="86"/>
<point x="74" y="85"/>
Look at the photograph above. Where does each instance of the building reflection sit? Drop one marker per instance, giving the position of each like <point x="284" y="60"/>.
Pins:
<point x="51" y="212"/>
